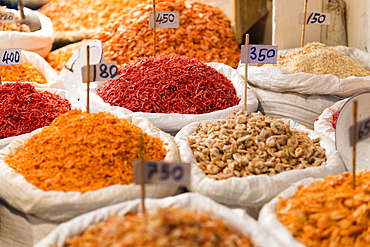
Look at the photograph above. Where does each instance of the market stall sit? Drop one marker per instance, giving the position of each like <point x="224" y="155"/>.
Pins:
<point x="158" y="122"/>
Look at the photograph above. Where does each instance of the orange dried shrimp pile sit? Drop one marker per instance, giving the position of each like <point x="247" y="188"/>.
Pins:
<point x="204" y="33"/>
<point x="80" y="151"/>
<point x="59" y="57"/>
<point x="22" y="73"/>
<point x="15" y="26"/>
<point x="82" y="15"/>
<point x="164" y="227"/>
<point x="329" y="212"/>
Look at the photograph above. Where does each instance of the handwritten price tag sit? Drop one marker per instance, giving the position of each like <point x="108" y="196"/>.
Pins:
<point x="260" y="54"/>
<point x="315" y="18"/>
<point x="7" y="17"/>
<point x="164" y="19"/>
<point x="163" y="173"/>
<point x="11" y="56"/>
<point x="100" y="72"/>
<point x="363" y="131"/>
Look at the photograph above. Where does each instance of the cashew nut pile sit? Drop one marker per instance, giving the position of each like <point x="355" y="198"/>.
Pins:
<point x="252" y="144"/>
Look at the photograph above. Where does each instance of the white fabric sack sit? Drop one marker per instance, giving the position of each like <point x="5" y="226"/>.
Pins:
<point x="301" y="108"/>
<point x="51" y="76"/>
<point x="173" y="122"/>
<point x="40" y="41"/>
<point x="280" y="80"/>
<point x="253" y="191"/>
<point x="75" y="104"/>
<point x="60" y="206"/>
<point x="323" y="124"/>
<point x="234" y="218"/>
<point x="336" y="32"/>
<point x="269" y="221"/>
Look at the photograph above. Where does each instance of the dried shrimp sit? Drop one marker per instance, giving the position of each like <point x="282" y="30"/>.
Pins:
<point x="24" y="72"/>
<point x="329" y="212"/>
<point x="15" y="26"/>
<point x="163" y="227"/>
<point x="85" y="15"/>
<point x="82" y="151"/>
<point x="204" y="33"/>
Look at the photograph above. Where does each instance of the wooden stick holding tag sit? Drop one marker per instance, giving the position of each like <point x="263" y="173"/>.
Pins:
<point x="154" y="30"/>
<point x="354" y="118"/>
<point x="0" y="75"/>
<point x="304" y="22"/>
<point x="88" y="79"/>
<point x="246" y="70"/>
<point x="142" y="171"/>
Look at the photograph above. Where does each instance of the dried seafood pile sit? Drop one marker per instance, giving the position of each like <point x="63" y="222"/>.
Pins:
<point x="319" y="59"/>
<point x="59" y="57"/>
<point x="161" y="227"/>
<point x="82" y="151"/>
<point x="329" y="212"/>
<point x="82" y="15"/>
<point x="204" y="33"/>
<point x="252" y="144"/>
<point x="16" y="26"/>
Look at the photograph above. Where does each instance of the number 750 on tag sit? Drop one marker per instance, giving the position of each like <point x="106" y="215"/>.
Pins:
<point x="163" y="173"/>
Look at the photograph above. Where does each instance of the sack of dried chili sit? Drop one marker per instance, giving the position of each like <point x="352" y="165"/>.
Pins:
<point x="24" y="108"/>
<point x="173" y="91"/>
<point x="81" y="162"/>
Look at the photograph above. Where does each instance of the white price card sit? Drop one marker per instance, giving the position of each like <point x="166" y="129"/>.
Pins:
<point x="100" y="72"/>
<point x="7" y="17"/>
<point x="163" y="173"/>
<point x="314" y="18"/>
<point x="164" y="19"/>
<point x="260" y="54"/>
<point x="363" y="131"/>
<point x="11" y="56"/>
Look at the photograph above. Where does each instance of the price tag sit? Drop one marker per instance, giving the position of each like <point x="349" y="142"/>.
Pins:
<point x="164" y="19"/>
<point x="7" y="17"/>
<point x="100" y="72"/>
<point x="260" y="54"/>
<point x="11" y="56"/>
<point x="315" y="18"/>
<point x="363" y="131"/>
<point x="163" y="173"/>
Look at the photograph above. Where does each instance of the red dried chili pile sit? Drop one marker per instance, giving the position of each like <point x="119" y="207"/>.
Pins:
<point x="334" y="121"/>
<point x="23" y="108"/>
<point x="169" y="84"/>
